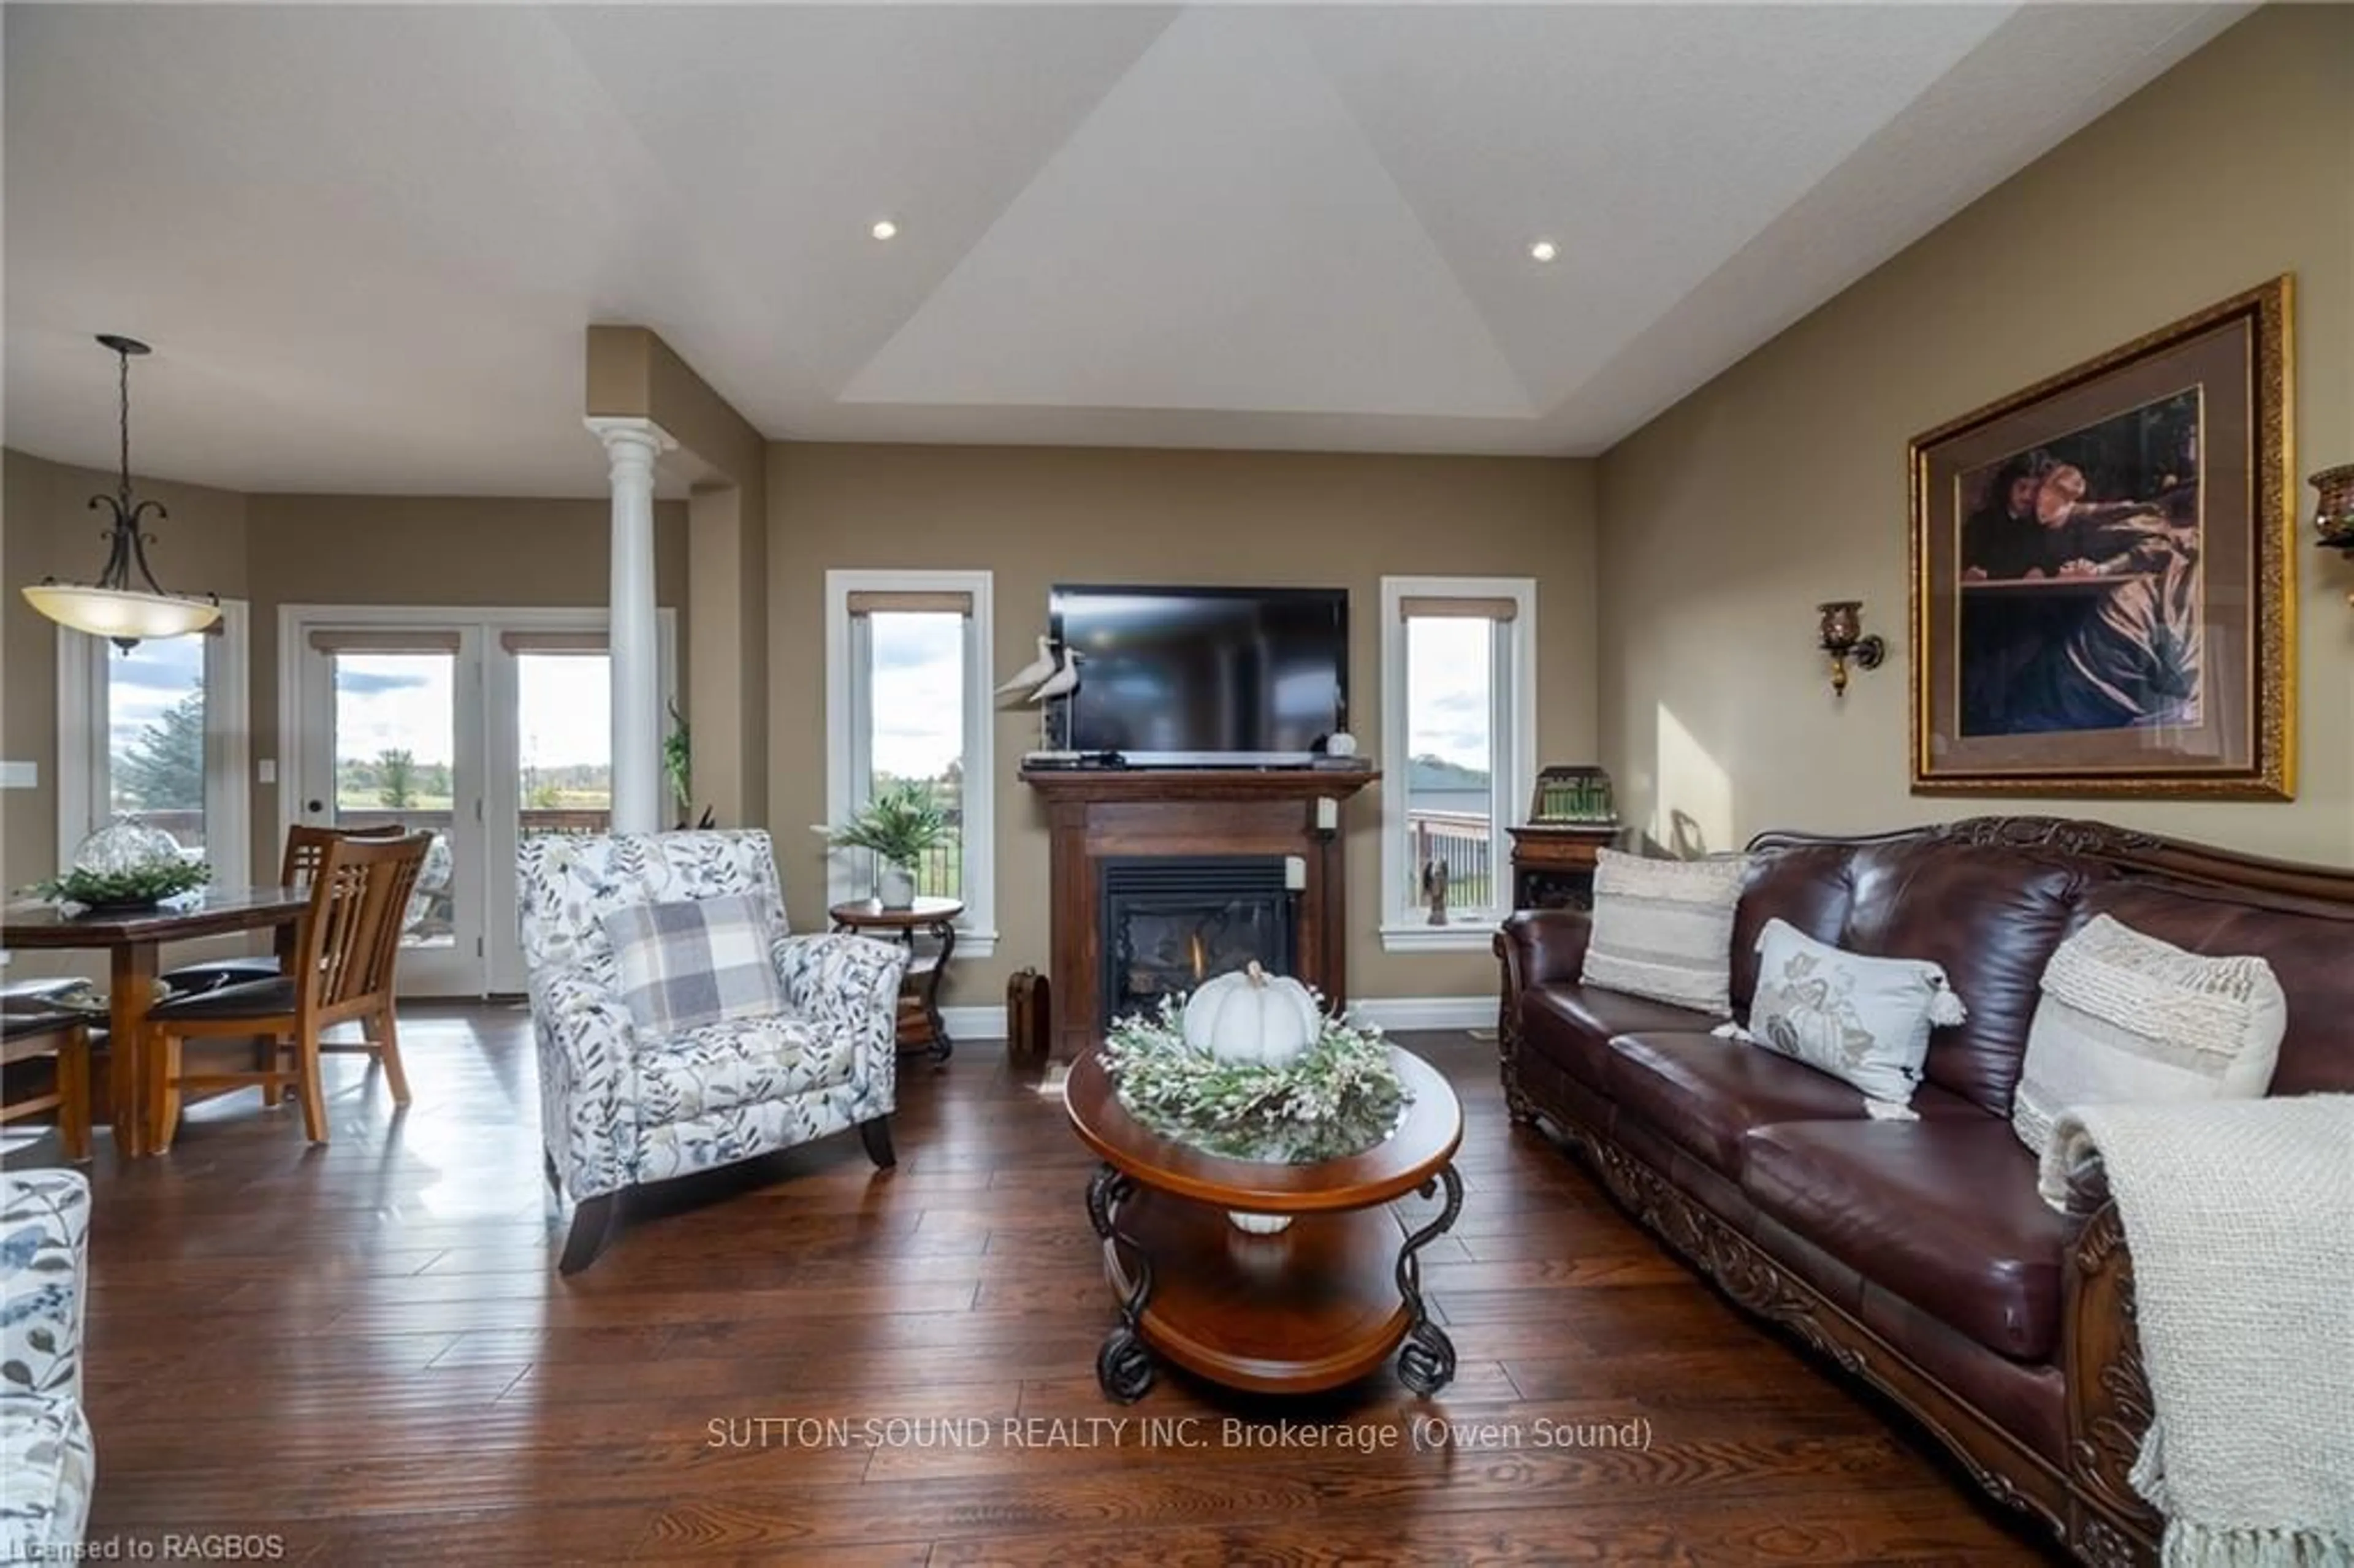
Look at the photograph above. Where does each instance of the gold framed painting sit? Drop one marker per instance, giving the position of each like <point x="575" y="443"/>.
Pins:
<point x="2103" y="592"/>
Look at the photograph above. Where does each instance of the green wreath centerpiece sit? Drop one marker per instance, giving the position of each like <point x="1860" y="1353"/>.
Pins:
<point x="1298" y="1086"/>
<point x="132" y="887"/>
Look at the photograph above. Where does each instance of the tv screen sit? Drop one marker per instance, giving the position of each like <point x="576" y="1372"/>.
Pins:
<point x="1179" y="675"/>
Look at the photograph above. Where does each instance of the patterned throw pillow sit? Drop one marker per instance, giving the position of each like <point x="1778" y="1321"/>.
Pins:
<point x="2128" y="1017"/>
<point x="1862" y="1020"/>
<point x="695" y="962"/>
<point x="1663" y="929"/>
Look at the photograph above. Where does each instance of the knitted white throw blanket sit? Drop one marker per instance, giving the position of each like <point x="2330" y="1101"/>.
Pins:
<point x="2240" y="1215"/>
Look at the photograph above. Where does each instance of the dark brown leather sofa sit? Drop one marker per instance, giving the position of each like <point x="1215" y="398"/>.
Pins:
<point x="1917" y="1255"/>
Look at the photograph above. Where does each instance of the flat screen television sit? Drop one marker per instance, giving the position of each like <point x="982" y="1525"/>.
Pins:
<point x="1177" y="677"/>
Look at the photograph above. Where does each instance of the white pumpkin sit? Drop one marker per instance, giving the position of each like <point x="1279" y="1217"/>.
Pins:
<point x="1253" y="1016"/>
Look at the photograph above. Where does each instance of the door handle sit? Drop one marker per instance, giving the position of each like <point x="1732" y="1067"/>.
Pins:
<point x="315" y="806"/>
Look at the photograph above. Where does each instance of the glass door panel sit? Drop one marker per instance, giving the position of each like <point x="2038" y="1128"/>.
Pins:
<point x="564" y="742"/>
<point x="551" y="704"/>
<point x="391" y="748"/>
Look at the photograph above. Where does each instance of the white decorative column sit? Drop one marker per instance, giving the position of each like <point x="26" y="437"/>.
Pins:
<point x="632" y="445"/>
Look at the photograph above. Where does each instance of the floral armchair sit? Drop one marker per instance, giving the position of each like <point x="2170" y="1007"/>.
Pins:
<point x="619" y="1110"/>
<point x="46" y="1453"/>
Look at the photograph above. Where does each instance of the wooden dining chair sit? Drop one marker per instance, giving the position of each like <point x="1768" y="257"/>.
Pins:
<point x="29" y="1037"/>
<point x="304" y="845"/>
<point x="343" y="967"/>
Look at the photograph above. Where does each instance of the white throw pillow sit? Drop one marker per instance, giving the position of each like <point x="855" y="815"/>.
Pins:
<point x="1865" y="1020"/>
<point x="2128" y="1017"/>
<point x="1663" y="929"/>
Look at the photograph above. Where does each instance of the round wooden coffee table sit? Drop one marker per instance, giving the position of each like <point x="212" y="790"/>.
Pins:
<point x="1319" y="1304"/>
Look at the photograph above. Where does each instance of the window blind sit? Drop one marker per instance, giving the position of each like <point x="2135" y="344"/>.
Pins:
<point x="553" y="642"/>
<point x="917" y="601"/>
<point x="1429" y="606"/>
<point x="359" y="640"/>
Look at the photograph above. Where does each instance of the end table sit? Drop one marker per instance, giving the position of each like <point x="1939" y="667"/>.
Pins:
<point x="920" y="997"/>
<point x="1552" y="865"/>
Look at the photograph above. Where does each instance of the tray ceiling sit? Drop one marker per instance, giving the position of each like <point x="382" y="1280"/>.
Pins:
<point x="365" y="241"/>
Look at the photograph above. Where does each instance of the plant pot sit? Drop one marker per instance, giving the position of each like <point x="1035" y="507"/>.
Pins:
<point x="894" y="888"/>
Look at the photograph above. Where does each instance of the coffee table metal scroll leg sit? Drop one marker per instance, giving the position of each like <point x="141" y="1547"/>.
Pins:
<point x="1427" y="1361"/>
<point x="1123" y="1367"/>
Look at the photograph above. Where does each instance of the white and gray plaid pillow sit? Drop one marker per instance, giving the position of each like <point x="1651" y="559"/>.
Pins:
<point x="698" y="961"/>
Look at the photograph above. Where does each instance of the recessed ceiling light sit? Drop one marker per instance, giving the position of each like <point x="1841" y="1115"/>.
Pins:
<point x="884" y="228"/>
<point x="1543" y="251"/>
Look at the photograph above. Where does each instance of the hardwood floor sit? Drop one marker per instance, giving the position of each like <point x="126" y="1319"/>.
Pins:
<point x="364" y="1352"/>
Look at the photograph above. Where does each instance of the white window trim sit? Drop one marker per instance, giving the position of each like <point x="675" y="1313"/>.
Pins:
<point x="977" y="929"/>
<point x="85" y="795"/>
<point x="1513" y="779"/>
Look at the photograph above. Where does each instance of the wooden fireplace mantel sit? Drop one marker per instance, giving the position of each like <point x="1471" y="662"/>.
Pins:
<point x="1093" y="813"/>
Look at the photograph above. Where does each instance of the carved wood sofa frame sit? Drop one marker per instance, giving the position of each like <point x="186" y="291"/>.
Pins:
<point x="2091" y="1507"/>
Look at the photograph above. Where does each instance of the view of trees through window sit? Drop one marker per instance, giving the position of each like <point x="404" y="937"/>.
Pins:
<point x="916" y="704"/>
<point x="156" y="736"/>
<point x="396" y="735"/>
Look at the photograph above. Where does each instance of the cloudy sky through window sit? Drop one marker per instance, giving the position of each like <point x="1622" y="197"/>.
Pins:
<point x="1449" y="704"/>
<point x="918" y="693"/>
<point x="140" y="684"/>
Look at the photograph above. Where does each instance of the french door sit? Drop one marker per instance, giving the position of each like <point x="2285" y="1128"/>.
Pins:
<point x="482" y="728"/>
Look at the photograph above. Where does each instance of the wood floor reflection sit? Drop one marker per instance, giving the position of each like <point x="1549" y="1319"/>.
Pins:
<point x="363" y="1352"/>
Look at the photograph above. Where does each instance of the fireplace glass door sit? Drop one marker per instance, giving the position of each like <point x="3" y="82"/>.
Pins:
<point x="1172" y="922"/>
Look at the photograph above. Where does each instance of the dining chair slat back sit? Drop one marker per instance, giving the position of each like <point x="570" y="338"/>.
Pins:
<point x="345" y="960"/>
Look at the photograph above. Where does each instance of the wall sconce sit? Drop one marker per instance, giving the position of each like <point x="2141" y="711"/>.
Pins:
<point x="1843" y="639"/>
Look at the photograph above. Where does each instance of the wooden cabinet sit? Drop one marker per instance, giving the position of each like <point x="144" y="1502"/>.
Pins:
<point x="1552" y="866"/>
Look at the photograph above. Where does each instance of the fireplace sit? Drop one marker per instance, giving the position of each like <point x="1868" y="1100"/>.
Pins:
<point x="1170" y="922"/>
<point x="1280" y="817"/>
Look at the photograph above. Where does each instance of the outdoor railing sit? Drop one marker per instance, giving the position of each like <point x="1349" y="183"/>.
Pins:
<point x="535" y="822"/>
<point x="1465" y="841"/>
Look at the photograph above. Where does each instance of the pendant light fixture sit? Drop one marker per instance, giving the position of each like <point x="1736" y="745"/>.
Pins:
<point x="113" y="606"/>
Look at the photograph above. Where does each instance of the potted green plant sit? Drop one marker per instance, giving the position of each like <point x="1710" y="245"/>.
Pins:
<point x="899" y="826"/>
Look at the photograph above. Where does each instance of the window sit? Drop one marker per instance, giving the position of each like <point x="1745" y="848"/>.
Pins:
<point x="157" y="733"/>
<point x="908" y="701"/>
<point x="1458" y="742"/>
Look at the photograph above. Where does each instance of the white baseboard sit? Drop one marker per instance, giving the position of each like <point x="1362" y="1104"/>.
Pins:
<point x="1396" y="1012"/>
<point x="974" y="1023"/>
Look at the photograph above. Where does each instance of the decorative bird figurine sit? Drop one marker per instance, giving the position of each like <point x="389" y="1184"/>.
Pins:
<point x="1062" y="682"/>
<point x="1035" y="672"/>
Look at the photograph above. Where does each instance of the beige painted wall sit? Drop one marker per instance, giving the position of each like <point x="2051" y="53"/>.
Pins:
<point x="47" y="529"/>
<point x="1782" y="483"/>
<point x="1037" y="515"/>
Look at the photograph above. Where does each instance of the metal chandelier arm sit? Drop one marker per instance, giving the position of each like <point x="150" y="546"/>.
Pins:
<point x="116" y="607"/>
<point x="128" y="541"/>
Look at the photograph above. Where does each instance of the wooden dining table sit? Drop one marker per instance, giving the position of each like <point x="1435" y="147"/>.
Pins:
<point x="132" y="941"/>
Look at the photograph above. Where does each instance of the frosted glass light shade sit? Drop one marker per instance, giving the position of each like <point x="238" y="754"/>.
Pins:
<point x="119" y="612"/>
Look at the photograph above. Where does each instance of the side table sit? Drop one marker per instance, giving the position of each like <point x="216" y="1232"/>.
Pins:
<point x="919" y="998"/>
<point x="1552" y="866"/>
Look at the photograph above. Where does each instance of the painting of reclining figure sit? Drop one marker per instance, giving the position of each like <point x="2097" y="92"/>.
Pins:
<point x="2102" y="570"/>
